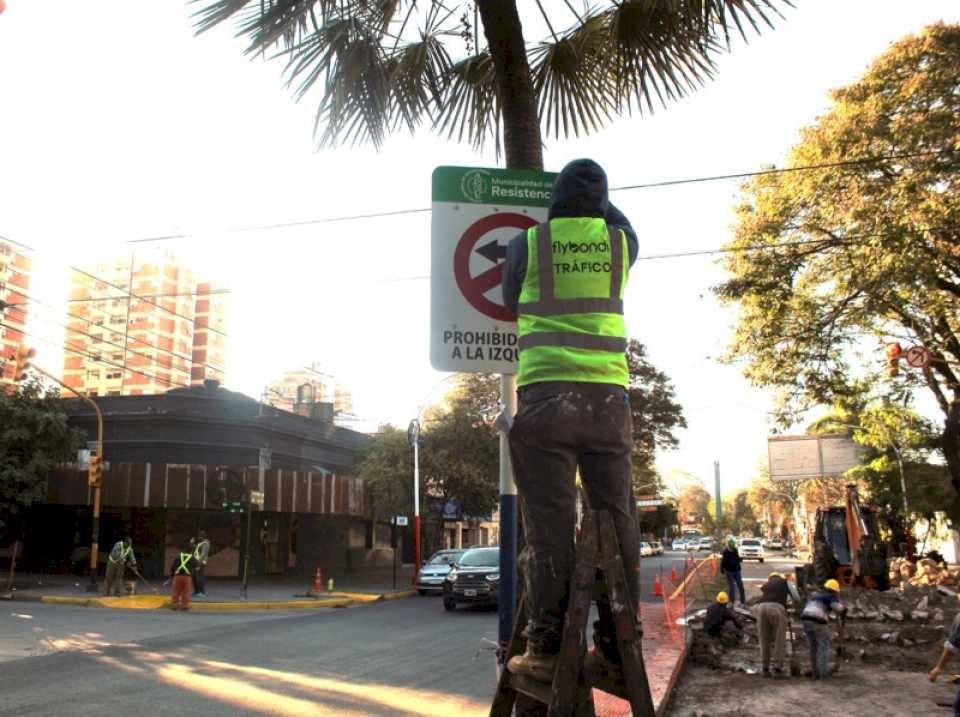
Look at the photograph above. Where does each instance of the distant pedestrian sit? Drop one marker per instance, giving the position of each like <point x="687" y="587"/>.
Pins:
<point x="721" y="621"/>
<point x="950" y="648"/>
<point x="730" y="561"/>
<point x="816" y="626"/>
<point x="120" y="556"/>
<point x="770" y="612"/>
<point x="182" y="583"/>
<point x="200" y="554"/>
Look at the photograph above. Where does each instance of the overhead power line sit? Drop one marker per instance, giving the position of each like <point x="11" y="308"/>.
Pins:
<point x="647" y="185"/>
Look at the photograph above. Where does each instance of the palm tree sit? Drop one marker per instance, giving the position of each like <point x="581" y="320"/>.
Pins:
<point x="384" y="65"/>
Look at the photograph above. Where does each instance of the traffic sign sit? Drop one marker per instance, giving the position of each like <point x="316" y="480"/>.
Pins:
<point x="266" y="456"/>
<point x="653" y="503"/>
<point x="475" y="214"/>
<point x="400" y="521"/>
<point x="918" y="356"/>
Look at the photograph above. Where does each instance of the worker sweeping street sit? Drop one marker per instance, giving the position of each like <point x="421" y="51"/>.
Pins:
<point x="730" y="566"/>
<point x="721" y="621"/>
<point x="121" y="555"/>
<point x="770" y="612"/>
<point x="180" y="575"/>
<point x="816" y="626"/>
<point x="950" y="648"/>
<point x="200" y="554"/>
<point x="565" y="279"/>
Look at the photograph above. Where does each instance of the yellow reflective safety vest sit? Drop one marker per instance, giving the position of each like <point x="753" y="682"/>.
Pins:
<point x="570" y="314"/>
<point x="184" y="568"/>
<point x="124" y="553"/>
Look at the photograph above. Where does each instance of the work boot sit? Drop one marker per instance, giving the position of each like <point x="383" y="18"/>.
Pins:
<point x="533" y="664"/>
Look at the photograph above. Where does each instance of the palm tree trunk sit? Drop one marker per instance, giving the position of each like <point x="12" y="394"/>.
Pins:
<point x="518" y="104"/>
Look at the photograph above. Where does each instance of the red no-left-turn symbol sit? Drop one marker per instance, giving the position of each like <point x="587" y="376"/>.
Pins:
<point x="474" y="288"/>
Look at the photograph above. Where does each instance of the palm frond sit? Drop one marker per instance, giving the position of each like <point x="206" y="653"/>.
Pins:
<point x="571" y="80"/>
<point x="419" y="73"/>
<point x="471" y="102"/>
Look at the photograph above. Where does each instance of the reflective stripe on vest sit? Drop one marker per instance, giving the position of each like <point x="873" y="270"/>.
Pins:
<point x="196" y="552"/>
<point x="570" y="314"/>
<point x="184" y="568"/>
<point x="124" y="554"/>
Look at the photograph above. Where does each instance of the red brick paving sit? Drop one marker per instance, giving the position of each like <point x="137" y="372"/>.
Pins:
<point x="662" y="656"/>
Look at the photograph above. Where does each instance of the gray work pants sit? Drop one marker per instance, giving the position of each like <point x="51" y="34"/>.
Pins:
<point x="818" y="640"/>
<point x="771" y="620"/>
<point x="562" y="426"/>
<point x="113" y="577"/>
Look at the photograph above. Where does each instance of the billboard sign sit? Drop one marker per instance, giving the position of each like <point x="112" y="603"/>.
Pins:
<point x="806" y="457"/>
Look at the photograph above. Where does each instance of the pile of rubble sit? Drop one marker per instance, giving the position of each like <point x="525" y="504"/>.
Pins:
<point x="901" y="629"/>
<point x="923" y="572"/>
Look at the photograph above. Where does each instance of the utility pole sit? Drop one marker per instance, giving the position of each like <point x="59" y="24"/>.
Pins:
<point x="719" y="502"/>
<point x="508" y="519"/>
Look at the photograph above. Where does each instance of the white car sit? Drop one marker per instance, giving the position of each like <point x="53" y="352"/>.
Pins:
<point x="776" y="544"/>
<point x="691" y="544"/>
<point x="645" y="550"/>
<point x="657" y="547"/>
<point x="751" y="549"/>
<point x="705" y="544"/>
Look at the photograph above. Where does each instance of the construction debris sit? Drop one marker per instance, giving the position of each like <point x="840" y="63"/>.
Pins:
<point x="923" y="572"/>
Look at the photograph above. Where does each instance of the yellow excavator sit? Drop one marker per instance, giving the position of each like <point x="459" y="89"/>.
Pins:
<point x="847" y="545"/>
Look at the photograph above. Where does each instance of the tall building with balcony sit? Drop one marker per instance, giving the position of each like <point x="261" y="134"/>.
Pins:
<point x="142" y="325"/>
<point x="15" y="269"/>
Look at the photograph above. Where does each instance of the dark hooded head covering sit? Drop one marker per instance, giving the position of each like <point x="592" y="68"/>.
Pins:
<point x="580" y="191"/>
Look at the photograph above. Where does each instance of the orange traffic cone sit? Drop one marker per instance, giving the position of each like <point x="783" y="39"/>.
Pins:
<point x="657" y="590"/>
<point x="317" y="583"/>
<point x="673" y="574"/>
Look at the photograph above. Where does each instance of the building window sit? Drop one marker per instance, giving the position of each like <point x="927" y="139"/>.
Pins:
<point x="116" y="357"/>
<point x="93" y="392"/>
<point x="113" y="393"/>
<point x="93" y="375"/>
<point x="114" y="375"/>
<point x="96" y="338"/>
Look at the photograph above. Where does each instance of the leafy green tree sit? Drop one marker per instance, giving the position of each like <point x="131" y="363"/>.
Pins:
<point x="460" y="454"/>
<point x="656" y="416"/>
<point x="466" y="69"/>
<point x="387" y="472"/>
<point x="34" y="439"/>
<point x="827" y="266"/>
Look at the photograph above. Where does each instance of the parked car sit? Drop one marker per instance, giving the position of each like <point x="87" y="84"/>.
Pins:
<point x="705" y="544"/>
<point x="692" y="544"/>
<point x="776" y="544"/>
<point x="751" y="549"/>
<point x="765" y="542"/>
<point x="474" y="579"/>
<point x="657" y="547"/>
<point x="431" y="575"/>
<point x="645" y="550"/>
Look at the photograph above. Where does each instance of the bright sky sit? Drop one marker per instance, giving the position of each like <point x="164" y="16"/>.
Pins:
<point x="117" y="123"/>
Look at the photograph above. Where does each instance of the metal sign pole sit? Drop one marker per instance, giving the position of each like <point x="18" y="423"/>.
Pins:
<point x="507" y="602"/>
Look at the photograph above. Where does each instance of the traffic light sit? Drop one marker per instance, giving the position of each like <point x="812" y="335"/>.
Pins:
<point x="893" y="359"/>
<point x="95" y="471"/>
<point x="22" y="364"/>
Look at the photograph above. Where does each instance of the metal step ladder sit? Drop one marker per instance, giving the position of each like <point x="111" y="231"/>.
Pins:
<point x="570" y="692"/>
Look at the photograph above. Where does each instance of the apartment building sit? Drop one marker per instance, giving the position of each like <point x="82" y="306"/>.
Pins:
<point x="15" y="269"/>
<point x="314" y="386"/>
<point x="142" y="325"/>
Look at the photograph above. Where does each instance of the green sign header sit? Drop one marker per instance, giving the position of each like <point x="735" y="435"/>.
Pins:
<point x="477" y="185"/>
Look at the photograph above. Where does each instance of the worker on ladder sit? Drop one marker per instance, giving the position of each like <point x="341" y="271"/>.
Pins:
<point x="565" y="279"/>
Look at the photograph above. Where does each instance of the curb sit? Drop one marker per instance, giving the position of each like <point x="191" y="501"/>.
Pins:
<point x="157" y="602"/>
<point x="675" y="676"/>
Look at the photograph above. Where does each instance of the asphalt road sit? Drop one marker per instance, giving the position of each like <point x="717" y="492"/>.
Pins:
<point x="403" y="657"/>
<point x="391" y="658"/>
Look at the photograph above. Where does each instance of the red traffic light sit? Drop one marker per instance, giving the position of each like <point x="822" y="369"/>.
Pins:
<point x="894" y="352"/>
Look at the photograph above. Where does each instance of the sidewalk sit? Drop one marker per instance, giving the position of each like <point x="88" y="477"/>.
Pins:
<point x="222" y="593"/>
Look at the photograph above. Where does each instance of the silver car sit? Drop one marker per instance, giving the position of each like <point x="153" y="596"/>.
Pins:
<point x="431" y="575"/>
